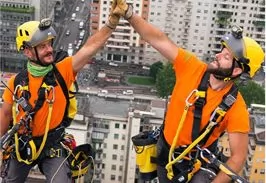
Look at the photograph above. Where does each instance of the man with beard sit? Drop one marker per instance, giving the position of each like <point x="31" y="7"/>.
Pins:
<point x="42" y="113"/>
<point x="239" y="56"/>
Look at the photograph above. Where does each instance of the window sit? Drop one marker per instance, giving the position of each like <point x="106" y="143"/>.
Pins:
<point x="116" y="136"/>
<point x="112" y="177"/>
<point x="103" y="166"/>
<point x="117" y="125"/>
<point x="114" y="157"/>
<point x="122" y="147"/>
<point x="115" y="146"/>
<point x="113" y="167"/>
<point x="120" y="178"/>
<point x="123" y="137"/>
<point x="124" y="126"/>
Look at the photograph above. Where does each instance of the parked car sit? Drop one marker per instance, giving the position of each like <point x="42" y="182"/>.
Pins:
<point x="68" y="32"/>
<point x="70" y="51"/>
<point x="73" y="16"/>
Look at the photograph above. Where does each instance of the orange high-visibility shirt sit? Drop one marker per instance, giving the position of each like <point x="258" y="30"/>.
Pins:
<point x="40" y="118"/>
<point x="189" y="71"/>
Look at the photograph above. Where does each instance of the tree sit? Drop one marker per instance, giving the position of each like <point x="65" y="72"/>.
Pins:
<point x="155" y="68"/>
<point x="252" y="93"/>
<point x="165" y="80"/>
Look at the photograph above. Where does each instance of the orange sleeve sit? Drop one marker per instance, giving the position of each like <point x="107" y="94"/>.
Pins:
<point x="67" y="73"/>
<point x="186" y="61"/>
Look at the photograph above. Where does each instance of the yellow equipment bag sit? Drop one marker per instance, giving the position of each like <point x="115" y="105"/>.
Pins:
<point x="73" y="105"/>
<point x="146" y="153"/>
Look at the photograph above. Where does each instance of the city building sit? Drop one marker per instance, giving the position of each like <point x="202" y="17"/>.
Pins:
<point x="254" y="169"/>
<point x="195" y="25"/>
<point x="14" y="13"/>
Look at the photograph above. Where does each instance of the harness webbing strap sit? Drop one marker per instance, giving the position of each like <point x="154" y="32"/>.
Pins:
<point x="228" y="100"/>
<point x="63" y="85"/>
<point x="200" y="102"/>
<point x="23" y="80"/>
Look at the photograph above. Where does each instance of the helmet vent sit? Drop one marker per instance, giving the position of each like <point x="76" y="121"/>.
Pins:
<point x="20" y="32"/>
<point x="27" y="33"/>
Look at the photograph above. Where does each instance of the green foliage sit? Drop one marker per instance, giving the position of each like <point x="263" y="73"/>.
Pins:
<point x="17" y="9"/>
<point x="165" y="80"/>
<point x="141" y="80"/>
<point x="155" y="68"/>
<point x="252" y="93"/>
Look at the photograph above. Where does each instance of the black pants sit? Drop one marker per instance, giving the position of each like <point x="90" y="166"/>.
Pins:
<point x="55" y="169"/>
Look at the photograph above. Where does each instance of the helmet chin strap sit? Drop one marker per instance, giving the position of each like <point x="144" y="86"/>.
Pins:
<point x="226" y="78"/>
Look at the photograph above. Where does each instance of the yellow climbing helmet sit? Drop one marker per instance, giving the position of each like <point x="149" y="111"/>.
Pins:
<point x="247" y="52"/>
<point x="32" y="33"/>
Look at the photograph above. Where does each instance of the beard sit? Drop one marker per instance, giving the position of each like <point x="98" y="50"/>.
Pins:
<point x="220" y="72"/>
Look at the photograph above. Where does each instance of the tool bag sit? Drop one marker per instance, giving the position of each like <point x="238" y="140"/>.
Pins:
<point x="146" y="152"/>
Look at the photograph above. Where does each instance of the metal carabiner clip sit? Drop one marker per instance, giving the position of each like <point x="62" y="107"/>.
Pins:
<point x="195" y="97"/>
<point x="47" y="94"/>
<point x="210" y="155"/>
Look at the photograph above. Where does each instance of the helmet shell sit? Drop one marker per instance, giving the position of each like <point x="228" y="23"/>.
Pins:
<point x="246" y="51"/>
<point x="29" y="34"/>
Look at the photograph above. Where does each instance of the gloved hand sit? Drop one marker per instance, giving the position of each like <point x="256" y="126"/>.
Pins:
<point x="113" y="19"/>
<point x="123" y="9"/>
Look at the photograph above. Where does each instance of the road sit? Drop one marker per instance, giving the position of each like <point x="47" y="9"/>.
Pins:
<point x="73" y="26"/>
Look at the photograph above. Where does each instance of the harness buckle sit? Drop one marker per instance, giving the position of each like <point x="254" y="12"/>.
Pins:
<point x="55" y="153"/>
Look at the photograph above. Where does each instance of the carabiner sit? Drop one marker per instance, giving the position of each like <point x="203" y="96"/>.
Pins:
<point x="210" y="157"/>
<point x="47" y="94"/>
<point x="195" y="97"/>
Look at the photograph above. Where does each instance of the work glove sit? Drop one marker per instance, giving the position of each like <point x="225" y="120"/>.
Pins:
<point x="113" y="19"/>
<point x="123" y="9"/>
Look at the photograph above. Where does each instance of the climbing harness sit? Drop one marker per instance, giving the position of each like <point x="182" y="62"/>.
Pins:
<point x="216" y="117"/>
<point x="26" y="139"/>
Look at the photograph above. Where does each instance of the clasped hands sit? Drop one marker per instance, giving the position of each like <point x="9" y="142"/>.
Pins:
<point x="119" y="9"/>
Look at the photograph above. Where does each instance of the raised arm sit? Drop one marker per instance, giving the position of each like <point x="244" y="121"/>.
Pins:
<point x="95" y="42"/>
<point x="156" y="38"/>
<point x="89" y="49"/>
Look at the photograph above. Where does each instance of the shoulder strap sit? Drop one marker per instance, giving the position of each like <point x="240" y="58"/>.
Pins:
<point x="228" y="100"/>
<point x="200" y="102"/>
<point x="23" y="80"/>
<point x="63" y="85"/>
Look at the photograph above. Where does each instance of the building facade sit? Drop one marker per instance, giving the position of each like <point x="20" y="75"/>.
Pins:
<point x="194" y="25"/>
<point x="14" y="13"/>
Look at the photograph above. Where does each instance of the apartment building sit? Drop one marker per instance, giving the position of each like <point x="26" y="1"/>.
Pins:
<point x="125" y="44"/>
<point x="254" y="169"/>
<point x="196" y="25"/>
<point x="13" y="14"/>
